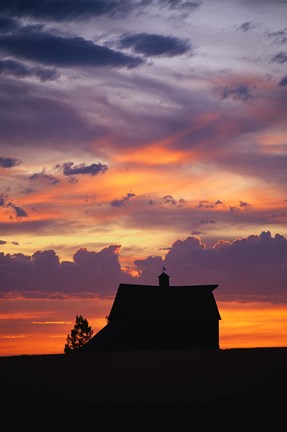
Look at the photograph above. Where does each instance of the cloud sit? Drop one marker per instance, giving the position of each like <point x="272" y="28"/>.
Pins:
<point x="280" y="57"/>
<point x="252" y="268"/>
<point x="19" y="70"/>
<point x="42" y="109"/>
<point x="65" y="10"/>
<point x="279" y="37"/>
<point x="43" y="177"/>
<point x="31" y="44"/>
<point x="247" y="269"/>
<point x="246" y="26"/>
<point x="19" y="212"/>
<point x="42" y="274"/>
<point x="122" y="202"/>
<point x="7" y="24"/>
<point x="69" y="10"/>
<point x="241" y="92"/>
<point x="9" y="162"/>
<point x="69" y="169"/>
<point x="283" y="82"/>
<point x="179" y="5"/>
<point x="3" y="242"/>
<point x="155" y="45"/>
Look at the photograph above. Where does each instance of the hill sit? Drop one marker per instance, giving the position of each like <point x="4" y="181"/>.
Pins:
<point x="237" y="380"/>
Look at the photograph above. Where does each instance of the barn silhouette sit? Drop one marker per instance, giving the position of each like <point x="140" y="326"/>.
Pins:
<point x="160" y="316"/>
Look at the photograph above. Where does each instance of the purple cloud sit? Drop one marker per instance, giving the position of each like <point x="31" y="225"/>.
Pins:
<point x="248" y="269"/>
<point x="9" y="162"/>
<point x="42" y="274"/>
<point x="43" y="177"/>
<point x="122" y="202"/>
<point x="280" y="57"/>
<point x="69" y="169"/>
<point x="155" y="45"/>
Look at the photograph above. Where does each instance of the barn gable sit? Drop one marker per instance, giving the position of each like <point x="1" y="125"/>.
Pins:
<point x="160" y="316"/>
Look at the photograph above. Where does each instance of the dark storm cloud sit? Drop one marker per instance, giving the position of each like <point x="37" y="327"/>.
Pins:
<point x="64" y="10"/>
<point x="155" y="45"/>
<point x="251" y="268"/>
<point x="122" y="202"/>
<point x="49" y="49"/>
<point x="69" y="169"/>
<point x="283" y="82"/>
<point x="241" y="92"/>
<point x="280" y="57"/>
<point x="9" y="162"/>
<point x="3" y="242"/>
<point x="19" y="70"/>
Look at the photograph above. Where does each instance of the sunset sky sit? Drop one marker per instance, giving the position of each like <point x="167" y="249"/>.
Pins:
<point x="137" y="134"/>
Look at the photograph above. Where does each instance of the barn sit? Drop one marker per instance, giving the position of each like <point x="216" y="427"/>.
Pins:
<point x="148" y="317"/>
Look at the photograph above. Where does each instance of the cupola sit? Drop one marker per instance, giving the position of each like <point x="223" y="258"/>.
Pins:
<point x="163" y="279"/>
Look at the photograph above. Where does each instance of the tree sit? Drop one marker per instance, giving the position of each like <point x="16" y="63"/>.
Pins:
<point x="79" y="335"/>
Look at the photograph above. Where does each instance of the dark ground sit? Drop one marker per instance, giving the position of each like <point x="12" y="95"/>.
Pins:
<point x="231" y="382"/>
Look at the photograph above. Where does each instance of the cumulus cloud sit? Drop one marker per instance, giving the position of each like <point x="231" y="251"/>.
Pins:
<point x="42" y="274"/>
<point x="252" y="268"/>
<point x="247" y="269"/>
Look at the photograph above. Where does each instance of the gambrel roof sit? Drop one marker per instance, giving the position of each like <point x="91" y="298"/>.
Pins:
<point x="152" y="302"/>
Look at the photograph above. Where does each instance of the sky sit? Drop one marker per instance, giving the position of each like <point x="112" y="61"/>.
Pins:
<point x="136" y="135"/>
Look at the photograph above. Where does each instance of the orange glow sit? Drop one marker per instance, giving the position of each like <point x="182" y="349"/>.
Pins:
<point x="243" y="325"/>
<point x="153" y="155"/>
<point x="251" y="325"/>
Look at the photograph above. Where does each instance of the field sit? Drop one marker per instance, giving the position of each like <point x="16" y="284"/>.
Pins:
<point x="237" y="381"/>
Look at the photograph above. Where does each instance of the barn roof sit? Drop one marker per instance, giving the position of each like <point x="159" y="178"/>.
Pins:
<point x="153" y="302"/>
